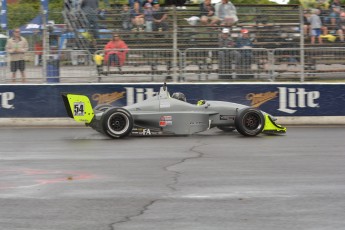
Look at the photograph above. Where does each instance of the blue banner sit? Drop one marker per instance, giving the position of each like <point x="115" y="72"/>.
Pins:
<point x="4" y="14"/>
<point x="275" y="99"/>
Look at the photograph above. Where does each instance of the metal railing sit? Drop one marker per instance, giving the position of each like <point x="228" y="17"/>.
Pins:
<point x="221" y="64"/>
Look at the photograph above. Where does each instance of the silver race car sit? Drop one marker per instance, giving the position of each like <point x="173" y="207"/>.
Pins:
<point x="172" y="115"/>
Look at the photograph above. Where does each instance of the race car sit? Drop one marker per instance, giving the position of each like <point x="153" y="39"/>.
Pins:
<point x="163" y="114"/>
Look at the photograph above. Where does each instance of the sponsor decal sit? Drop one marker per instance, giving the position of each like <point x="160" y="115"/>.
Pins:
<point x="135" y="95"/>
<point x="146" y="132"/>
<point x="165" y="120"/>
<point x="6" y="98"/>
<point x="196" y="123"/>
<point x="226" y="117"/>
<point x="258" y="99"/>
<point x="107" y="98"/>
<point x="79" y="109"/>
<point x="141" y="131"/>
<point x="290" y="99"/>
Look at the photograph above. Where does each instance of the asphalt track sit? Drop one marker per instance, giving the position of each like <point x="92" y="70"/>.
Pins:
<point x="75" y="178"/>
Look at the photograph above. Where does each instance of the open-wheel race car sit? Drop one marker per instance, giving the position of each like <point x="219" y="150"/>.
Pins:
<point x="173" y="115"/>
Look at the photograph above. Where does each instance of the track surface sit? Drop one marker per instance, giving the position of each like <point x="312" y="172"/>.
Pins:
<point x="67" y="179"/>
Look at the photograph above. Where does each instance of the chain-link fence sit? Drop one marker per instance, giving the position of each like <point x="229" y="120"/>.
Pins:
<point x="221" y="64"/>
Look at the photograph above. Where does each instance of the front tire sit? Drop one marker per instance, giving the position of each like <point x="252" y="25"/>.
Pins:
<point x="117" y="123"/>
<point x="250" y="122"/>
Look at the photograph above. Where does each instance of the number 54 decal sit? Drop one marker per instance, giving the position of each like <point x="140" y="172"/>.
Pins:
<point x="79" y="109"/>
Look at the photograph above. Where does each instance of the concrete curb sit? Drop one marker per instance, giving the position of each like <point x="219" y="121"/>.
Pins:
<point x="63" y="122"/>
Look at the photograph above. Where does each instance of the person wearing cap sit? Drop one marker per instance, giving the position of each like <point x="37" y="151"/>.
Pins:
<point x="244" y="40"/>
<point x="225" y="40"/>
<point x="245" y="55"/>
<point x="227" y="57"/>
<point x="226" y="13"/>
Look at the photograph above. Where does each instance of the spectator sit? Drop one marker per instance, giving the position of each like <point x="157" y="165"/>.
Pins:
<point x="137" y="17"/>
<point x="147" y="1"/>
<point x="227" y="57"/>
<point x="126" y="18"/>
<point x="334" y="15"/>
<point x="226" y="13"/>
<point x="16" y="47"/>
<point x="115" y="52"/>
<point x="207" y="11"/>
<point x="90" y="9"/>
<point x="245" y="57"/>
<point x="341" y="27"/>
<point x="315" y="26"/>
<point x="159" y="17"/>
<point x="244" y="41"/>
<point x="38" y="52"/>
<point x="324" y="16"/>
<point x="148" y="17"/>
<point x="306" y="23"/>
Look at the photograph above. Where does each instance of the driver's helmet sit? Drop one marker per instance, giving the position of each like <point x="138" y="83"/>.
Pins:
<point x="179" y="96"/>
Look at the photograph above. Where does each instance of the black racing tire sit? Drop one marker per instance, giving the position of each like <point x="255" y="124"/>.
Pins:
<point x="250" y="122"/>
<point x="117" y="123"/>
<point x="102" y="107"/>
<point x="226" y="128"/>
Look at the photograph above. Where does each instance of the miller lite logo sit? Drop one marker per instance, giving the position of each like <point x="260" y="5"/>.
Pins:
<point x="291" y="99"/>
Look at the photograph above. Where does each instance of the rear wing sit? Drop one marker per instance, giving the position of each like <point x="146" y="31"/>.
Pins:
<point x="78" y="107"/>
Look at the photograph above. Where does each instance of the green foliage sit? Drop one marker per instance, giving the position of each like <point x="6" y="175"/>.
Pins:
<point x="55" y="11"/>
<point x="21" y="13"/>
<point x="25" y="10"/>
<point x="252" y="2"/>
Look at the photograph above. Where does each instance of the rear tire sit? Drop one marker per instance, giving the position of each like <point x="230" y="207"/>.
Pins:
<point x="117" y="123"/>
<point x="102" y="107"/>
<point x="250" y="122"/>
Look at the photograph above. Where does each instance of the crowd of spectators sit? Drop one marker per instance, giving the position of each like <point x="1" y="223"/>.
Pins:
<point x="325" y="21"/>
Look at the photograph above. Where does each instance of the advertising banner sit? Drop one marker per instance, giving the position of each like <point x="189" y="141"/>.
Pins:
<point x="276" y="99"/>
<point x="3" y="15"/>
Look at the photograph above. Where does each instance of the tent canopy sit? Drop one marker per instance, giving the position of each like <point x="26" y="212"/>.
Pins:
<point x="35" y="25"/>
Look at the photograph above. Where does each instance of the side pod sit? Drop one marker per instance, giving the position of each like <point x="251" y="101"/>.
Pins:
<point x="78" y="107"/>
<point x="271" y="127"/>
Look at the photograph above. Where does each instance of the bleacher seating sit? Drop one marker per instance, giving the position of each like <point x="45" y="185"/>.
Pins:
<point x="271" y="27"/>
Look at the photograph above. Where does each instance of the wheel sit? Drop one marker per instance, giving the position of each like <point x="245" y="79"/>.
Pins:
<point x="117" y="123"/>
<point x="102" y="107"/>
<point x="250" y="122"/>
<point x="226" y="128"/>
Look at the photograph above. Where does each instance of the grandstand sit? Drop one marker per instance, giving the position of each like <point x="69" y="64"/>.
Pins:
<point x="191" y="49"/>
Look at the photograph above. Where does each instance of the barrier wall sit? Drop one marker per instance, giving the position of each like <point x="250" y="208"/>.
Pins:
<point x="288" y="100"/>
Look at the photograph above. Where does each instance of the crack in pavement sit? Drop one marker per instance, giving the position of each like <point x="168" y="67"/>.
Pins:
<point x="129" y="218"/>
<point x="177" y="174"/>
<point x="171" y="186"/>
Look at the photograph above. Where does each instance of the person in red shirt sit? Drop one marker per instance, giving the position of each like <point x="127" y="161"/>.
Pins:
<point x="115" y="52"/>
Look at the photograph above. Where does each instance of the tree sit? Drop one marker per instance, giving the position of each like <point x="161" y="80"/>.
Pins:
<point x="25" y="10"/>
